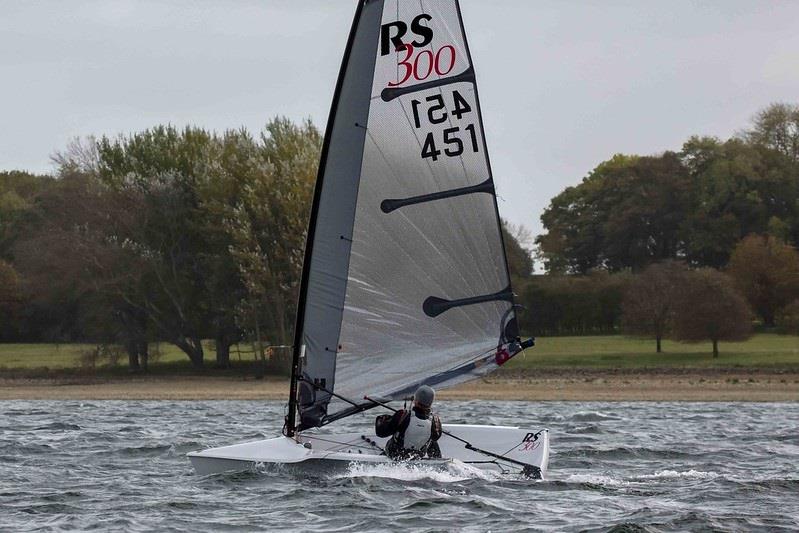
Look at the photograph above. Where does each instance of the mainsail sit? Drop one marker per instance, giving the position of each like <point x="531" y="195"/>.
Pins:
<point x="405" y="278"/>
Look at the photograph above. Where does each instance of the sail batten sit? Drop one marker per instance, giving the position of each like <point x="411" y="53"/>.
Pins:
<point x="407" y="280"/>
<point x="391" y="204"/>
<point x="391" y="93"/>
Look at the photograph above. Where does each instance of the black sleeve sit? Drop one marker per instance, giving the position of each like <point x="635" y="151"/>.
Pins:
<point x="386" y="425"/>
<point x="435" y="432"/>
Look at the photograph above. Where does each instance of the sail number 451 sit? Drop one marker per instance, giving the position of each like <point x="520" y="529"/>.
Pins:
<point x="436" y="114"/>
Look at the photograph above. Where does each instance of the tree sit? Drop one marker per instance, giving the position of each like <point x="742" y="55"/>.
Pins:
<point x="766" y="271"/>
<point x="267" y="225"/>
<point x="574" y="219"/>
<point x="626" y="214"/>
<point x="9" y="297"/>
<point x="517" y="240"/>
<point x="163" y="169"/>
<point x="125" y="232"/>
<point x="777" y="127"/>
<point x="737" y="188"/>
<point x="179" y="235"/>
<point x="788" y="318"/>
<point x="9" y="284"/>
<point x="650" y="300"/>
<point x="17" y="193"/>
<point x="709" y="308"/>
<point x="79" y="272"/>
<point x="694" y="205"/>
<point x="573" y="242"/>
<point x="80" y="156"/>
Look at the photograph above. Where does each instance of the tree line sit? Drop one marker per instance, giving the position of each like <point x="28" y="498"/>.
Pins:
<point x="665" y="299"/>
<point x="659" y="245"/>
<point x="174" y="235"/>
<point x="694" y="205"/>
<point x="166" y="234"/>
<point x="181" y="235"/>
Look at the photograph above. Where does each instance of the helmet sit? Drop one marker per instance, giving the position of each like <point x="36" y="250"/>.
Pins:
<point x="424" y="396"/>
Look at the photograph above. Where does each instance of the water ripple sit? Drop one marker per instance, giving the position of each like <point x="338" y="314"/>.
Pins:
<point x="621" y="467"/>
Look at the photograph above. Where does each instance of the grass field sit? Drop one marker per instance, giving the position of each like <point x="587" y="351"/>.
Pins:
<point x="762" y="350"/>
<point x="60" y="357"/>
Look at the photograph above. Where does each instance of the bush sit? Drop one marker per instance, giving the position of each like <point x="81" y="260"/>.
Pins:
<point x="572" y="305"/>
<point x="99" y="355"/>
<point x="788" y="318"/>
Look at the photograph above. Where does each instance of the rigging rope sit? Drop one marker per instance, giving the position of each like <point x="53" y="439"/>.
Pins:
<point x="527" y="468"/>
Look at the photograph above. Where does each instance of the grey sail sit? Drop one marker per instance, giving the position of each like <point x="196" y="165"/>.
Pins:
<point x="406" y="279"/>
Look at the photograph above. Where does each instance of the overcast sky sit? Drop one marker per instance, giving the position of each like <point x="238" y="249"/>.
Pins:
<point x="564" y="85"/>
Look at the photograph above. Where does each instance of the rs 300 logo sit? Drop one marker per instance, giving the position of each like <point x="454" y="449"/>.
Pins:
<point x="416" y="63"/>
<point x="530" y="442"/>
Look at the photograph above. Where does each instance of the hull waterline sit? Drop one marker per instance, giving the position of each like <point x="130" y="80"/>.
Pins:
<point x="322" y="450"/>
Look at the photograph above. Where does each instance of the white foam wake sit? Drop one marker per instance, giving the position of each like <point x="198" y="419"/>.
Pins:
<point x="661" y="475"/>
<point x="673" y="474"/>
<point x="449" y="472"/>
<point x="595" y="479"/>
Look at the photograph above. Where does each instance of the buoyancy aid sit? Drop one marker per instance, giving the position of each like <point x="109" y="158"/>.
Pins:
<point x="417" y="434"/>
<point x="412" y="438"/>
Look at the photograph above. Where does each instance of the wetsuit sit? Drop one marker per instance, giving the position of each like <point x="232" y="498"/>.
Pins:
<point x="414" y="434"/>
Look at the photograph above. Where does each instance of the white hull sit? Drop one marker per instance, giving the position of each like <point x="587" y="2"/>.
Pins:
<point x="313" y="448"/>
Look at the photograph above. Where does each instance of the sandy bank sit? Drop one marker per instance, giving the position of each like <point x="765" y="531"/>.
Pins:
<point x="699" y="386"/>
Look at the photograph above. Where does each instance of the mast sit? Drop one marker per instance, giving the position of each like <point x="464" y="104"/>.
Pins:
<point x="291" y="417"/>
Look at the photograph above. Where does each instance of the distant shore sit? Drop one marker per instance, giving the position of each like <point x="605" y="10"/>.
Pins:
<point x="602" y="368"/>
<point x="722" y="385"/>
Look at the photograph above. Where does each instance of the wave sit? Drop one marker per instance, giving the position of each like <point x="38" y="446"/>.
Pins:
<point x="58" y="425"/>
<point x="627" y="452"/>
<point x="450" y="472"/>
<point x="604" y="480"/>
<point x="776" y="484"/>
<point x="673" y="474"/>
<point x="595" y="480"/>
<point x="147" y="451"/>
<point x="629" y="527"/>
<point x="591" y="429"/>
<point x="591" y="416"/>
<point x="10" y="448"/>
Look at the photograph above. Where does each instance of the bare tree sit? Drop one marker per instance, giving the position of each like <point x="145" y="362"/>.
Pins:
<point x="709" y="308"/>
<point x="777" y="127"/>
<point x="518" y="243"/>
<point x="650" y="299"/>
<point x="80" y="155"/>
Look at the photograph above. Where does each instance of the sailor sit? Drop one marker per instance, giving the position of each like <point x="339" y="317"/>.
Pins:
<point x="414" y="434"/>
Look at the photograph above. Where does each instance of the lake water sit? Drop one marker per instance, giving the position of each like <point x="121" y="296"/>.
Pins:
<point x="121" y="465"/>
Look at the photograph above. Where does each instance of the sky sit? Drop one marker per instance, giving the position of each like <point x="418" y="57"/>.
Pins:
<point x="563" y="85"/>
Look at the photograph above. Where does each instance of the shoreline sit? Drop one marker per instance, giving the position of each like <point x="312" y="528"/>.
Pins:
<point x="699" y="385"/>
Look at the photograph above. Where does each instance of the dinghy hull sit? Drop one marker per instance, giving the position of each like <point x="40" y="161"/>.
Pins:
<point x="314" y="449"/>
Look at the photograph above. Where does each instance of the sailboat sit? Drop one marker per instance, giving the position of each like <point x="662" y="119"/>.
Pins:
<point x="405" y="280"/>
